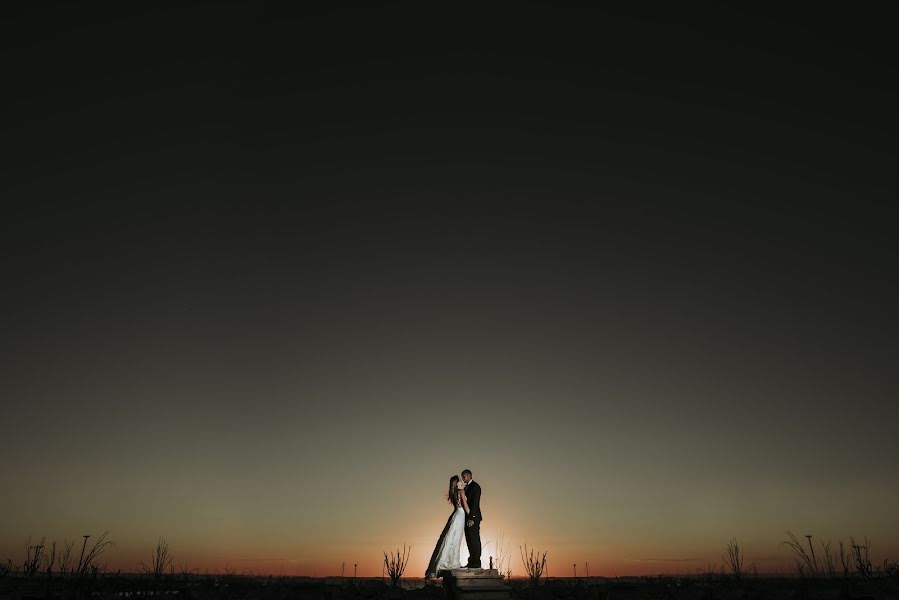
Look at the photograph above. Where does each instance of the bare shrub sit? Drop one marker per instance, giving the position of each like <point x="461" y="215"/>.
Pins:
<point x="534" y="563"/>
<point x="396" y="564"/>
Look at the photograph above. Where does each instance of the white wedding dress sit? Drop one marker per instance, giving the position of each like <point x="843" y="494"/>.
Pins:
<point x="447" y="554"/>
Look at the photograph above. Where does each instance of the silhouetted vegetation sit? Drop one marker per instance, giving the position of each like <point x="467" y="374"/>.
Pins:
<point x="845" y="571"/>
<point x="733" y="558"/>
<point x="396" y="564"/>
<point x="160" y="561"/>
<point x="534" y="564"/>
<point x="503" y="561"/>
<point x="70" y="579"/>
<point x="853" y="560"/>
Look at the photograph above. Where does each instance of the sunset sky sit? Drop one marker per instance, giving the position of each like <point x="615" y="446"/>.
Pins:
<point x="270" y="279"/>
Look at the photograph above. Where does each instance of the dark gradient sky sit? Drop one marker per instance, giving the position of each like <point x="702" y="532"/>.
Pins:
<point x="270" y="278"/>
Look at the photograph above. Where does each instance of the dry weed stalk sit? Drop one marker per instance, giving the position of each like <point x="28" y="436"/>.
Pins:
<point x="829" y="565"/>
<point x="66" y="566"/>
<point x="34" y="556"/>
<point x="502" y="554"/>
<point x="845" y="560"/>
<point x="50" y="560"/>
<point x="860" y="556"/>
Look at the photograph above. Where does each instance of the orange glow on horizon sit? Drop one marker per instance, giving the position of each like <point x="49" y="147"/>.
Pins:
<point x="627" y="559"/>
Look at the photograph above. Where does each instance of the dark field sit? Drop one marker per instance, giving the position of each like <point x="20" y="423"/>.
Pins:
<point x="234" y="587"/>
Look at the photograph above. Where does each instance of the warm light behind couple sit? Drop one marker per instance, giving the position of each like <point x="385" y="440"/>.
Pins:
<point x="465" y="521"/>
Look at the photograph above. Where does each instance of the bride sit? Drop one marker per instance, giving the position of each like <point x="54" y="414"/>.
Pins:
<point x="446" y="555"/>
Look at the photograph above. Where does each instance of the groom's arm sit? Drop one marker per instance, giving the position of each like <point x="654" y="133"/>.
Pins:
<point x="475" y="503"/>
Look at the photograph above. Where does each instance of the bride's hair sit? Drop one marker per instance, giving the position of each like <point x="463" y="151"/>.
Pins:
<point x="453" y="494"/>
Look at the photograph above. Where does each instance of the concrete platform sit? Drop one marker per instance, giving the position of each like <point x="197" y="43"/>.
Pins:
<point x="475" y="584"/>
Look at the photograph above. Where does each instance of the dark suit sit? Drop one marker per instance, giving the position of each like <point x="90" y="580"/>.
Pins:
<point x="473" y="533"/>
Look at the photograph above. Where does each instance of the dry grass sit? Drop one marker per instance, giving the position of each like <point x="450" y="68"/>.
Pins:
<point x="161" y="560"/>
<point x="853" y="559"/>
<point x="88" y="564"/>
<point x="806" y="562"/>
<point x="733" y="558"/>
<point x="41" y="559"/>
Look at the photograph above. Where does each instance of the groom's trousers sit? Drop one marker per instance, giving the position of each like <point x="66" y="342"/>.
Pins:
<point x="473" y="540"/>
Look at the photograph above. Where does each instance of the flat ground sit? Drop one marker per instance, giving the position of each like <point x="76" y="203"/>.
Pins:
<point x="234" y="587"/>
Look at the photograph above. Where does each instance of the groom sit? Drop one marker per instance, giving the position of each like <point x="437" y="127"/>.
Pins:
<point x="473" y="524"/>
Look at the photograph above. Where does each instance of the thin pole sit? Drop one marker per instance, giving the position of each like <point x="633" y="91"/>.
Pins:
<point x="82" y="552"/>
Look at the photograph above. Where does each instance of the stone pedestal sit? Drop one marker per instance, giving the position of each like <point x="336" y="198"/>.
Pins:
<point x="475" y="584"/>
